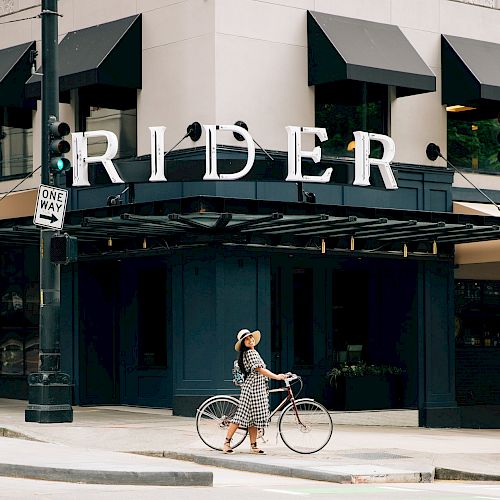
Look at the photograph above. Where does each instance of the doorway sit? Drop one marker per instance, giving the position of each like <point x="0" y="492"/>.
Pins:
<point x="125" y="341"/>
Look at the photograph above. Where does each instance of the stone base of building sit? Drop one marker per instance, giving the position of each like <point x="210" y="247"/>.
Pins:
<point x="440" y="417"/>
<point x="480" y="416"/>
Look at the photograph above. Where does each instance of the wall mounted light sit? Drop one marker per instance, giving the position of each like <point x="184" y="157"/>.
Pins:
<point x="193" y="131"/>
<point x="237" y="136"/>
<point x="323" y="246"/>
<point x="110" y="242"/>
<point x="405" y="250"/>
<point x="459" y="108"/>
<point x="144" y="244"/>
<point x="352" y="243"/>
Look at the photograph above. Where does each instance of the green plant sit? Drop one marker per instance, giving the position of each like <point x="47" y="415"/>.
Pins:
<point x="359" y="370"/>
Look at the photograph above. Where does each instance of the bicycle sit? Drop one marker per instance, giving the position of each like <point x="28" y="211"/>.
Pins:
<point x="304" y="425"/>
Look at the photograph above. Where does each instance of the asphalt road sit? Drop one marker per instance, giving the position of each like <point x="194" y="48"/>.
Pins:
<point x="243" y="486"/>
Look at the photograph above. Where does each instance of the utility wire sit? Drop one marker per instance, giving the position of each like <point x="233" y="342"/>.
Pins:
<point x="22" y="19"/>
<point x="18" y="184"/>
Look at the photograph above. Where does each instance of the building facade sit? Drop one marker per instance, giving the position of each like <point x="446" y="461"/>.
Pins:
<point x="178" y="250"/>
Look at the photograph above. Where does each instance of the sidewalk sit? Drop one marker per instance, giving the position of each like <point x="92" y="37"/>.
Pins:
<point x="355" y="453"/>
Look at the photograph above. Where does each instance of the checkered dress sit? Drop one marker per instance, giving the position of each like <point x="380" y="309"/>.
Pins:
<point x="253" y="410"/>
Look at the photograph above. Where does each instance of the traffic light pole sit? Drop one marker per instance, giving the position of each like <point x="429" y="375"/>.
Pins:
<point x="49" y="389"/>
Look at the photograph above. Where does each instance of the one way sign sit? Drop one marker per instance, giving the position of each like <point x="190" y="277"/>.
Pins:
<point x="50" y="207"/>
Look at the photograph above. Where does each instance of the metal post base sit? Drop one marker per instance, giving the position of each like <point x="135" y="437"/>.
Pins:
<point x="49" y="398"/>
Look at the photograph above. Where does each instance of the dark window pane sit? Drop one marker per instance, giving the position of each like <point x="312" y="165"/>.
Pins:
<point x="19" y="311"/>
<point x="344" y="110"/>
<point x="122" y="122"/>
<point x="152" y="320"/>
<point x="474" y="144"/>
<point x="16" y="142"/>
<point x="303" y="317"/>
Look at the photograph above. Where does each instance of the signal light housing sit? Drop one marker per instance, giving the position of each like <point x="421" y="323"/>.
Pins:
<point x="58" y="146"/>
<point x="63" y="249"/>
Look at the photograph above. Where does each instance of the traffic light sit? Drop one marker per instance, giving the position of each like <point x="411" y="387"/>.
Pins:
<point x="58" y="146"/>
<point x="63" y="249"/>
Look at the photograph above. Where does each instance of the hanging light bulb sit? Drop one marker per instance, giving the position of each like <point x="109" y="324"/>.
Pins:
<point x="405" y="250"/>
<point x="144" y="243"/>
<point x="323" y="246"/>
<point x="110" y="242"/>
<point x="352" y="243"/>
<point x="434" y="247"/>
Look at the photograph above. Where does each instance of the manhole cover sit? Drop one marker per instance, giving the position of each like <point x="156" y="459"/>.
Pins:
<point x="374" y="456"/>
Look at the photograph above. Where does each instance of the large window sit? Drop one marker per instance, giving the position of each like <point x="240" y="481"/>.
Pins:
<point x="361" y="107"/>
<point x="19" y="311"/>
<point x="114" y="111"/>
<point x="474" y="144"/>
<point x="16" y="141"/>
<point x="122" y="122"/>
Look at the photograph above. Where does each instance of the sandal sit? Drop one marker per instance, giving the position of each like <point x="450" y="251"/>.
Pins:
<point x="227" y="446"/>
<point x="254" y="449"/>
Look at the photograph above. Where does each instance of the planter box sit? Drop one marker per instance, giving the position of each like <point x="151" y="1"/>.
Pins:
<point x="368" y="392"/>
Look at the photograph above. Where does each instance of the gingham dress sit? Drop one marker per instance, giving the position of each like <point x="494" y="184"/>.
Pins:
<point x="253" y="410"/>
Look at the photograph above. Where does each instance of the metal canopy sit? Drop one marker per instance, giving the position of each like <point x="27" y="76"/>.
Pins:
<point x="108" y="54"/>
<point x="15" y="69"/>
<point x="341" y="48"/>
<point x="471" y="72"/>
<point x="274" y="230"/>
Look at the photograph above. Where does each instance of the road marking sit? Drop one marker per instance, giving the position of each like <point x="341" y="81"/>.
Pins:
<point x="399" y="489"/>
<point x="286" y="492"/>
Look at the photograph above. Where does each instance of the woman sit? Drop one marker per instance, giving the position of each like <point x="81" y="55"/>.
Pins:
<point x="253" y="409"/>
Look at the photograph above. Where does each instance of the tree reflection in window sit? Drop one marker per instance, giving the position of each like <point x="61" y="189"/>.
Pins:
<point x="343" y="110"/>
<point x="474" y="144"/>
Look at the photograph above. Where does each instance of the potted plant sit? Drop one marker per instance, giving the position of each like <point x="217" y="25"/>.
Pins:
<point x="363" y="386"/>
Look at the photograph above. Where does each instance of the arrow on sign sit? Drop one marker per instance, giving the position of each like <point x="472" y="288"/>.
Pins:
<point x="52" y="218"/>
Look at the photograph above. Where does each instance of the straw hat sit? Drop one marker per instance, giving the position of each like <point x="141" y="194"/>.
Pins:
<point x="242" y="334"/>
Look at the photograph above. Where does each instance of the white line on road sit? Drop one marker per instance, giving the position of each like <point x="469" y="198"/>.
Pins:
<point x="399" y="489"/>
<point x="287" y="492"/>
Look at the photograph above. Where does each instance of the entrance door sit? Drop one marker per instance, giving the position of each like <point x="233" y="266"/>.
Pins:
<point x="298" y="341"/>
<point x="98" y="381"/>
<point x="145" y="374"/>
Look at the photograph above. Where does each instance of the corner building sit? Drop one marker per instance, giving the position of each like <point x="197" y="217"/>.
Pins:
<point x="169" y="270"/>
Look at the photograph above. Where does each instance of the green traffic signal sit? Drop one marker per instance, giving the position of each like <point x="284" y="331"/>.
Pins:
<point x="58" y="146"/>
<point x="60" y="164"/>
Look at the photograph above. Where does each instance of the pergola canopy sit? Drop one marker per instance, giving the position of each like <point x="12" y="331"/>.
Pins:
<point x="196" y="221"/>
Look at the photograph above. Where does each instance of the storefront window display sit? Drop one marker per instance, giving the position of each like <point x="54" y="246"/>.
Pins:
<point x="19" y="310"/>
<point x="477" y="313"/>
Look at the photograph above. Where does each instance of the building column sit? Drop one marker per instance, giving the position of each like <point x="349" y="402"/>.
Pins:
<point x="437" y="404"/>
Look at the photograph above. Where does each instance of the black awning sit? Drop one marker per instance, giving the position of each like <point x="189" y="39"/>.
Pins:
<point x="273" y="226"/>
<point x="108" y="55"/>
<point x="15" y="69"/>
<point x="341" y="48"/>
<point x="470" y="72"/>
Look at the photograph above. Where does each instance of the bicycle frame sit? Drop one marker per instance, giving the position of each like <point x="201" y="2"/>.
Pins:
<point x="289" y="398"/>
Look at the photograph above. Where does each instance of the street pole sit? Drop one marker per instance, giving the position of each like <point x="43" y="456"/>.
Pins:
<point x="49" y="389"/>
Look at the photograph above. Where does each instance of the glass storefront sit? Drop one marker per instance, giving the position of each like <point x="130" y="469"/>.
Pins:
<point x="477" y="313"/>
<point x="19" y="311"/>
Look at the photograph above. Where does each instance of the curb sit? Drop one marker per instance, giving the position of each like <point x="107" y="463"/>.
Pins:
<point x="459" y="475"/>
<point x="9" y="433"/>
<point x="160" y="478"/>
<point x="301" y="473"/>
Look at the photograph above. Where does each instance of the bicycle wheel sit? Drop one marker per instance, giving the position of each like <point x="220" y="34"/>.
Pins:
<point x="306" y="430"/>
<point x="213" y="418"/>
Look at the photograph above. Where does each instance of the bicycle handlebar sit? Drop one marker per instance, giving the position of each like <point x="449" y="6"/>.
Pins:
<point x="290" y="377"/>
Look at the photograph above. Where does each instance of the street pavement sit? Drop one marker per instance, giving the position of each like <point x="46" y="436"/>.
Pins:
<point x="90" y="449"/>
